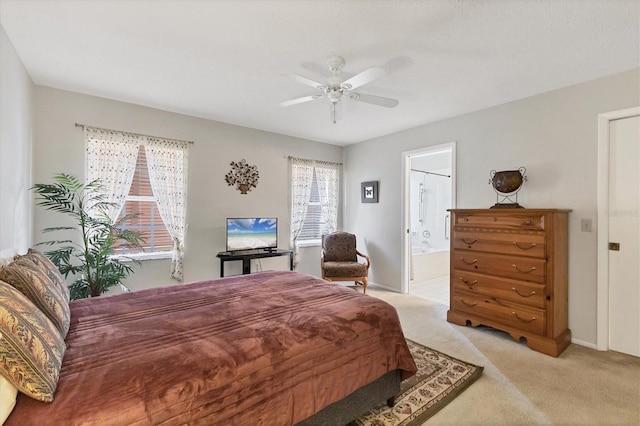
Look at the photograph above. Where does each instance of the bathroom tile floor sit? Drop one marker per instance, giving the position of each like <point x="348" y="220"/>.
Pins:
<point x="434" y="289"/>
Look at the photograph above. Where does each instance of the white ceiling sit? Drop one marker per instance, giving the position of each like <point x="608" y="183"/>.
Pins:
<point x="224" y="60"/>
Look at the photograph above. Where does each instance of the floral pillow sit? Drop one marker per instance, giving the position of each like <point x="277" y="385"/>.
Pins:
<point x="31" y="348"/>
<point x="51" y="270"/>
<point x="36" y="285"/>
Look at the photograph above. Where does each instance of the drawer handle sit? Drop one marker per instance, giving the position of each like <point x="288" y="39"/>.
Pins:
<point x="527" y="222"/>
<point x="470" y="305"/>
<point x="467" y="262"/>
<point x="470" y="284"/>
<point x="464" y="240"/>
<point x="533" y="268"/>
<point x="532" y="245"/>
<point x="522" y="294"/>
<point x="515" y="314"/>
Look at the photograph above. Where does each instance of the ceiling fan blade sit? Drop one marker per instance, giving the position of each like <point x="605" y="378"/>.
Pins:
<point x="307" y="81"/>
<point x="375" y="100"/>
<point x="300" y="100"/>
<point x="366" y="76"/>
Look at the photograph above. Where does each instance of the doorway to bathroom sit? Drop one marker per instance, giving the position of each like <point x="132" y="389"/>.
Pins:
<point x="429" y="193"/>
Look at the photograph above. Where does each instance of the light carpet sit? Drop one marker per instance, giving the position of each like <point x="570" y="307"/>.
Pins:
<point x="520" y="386"/>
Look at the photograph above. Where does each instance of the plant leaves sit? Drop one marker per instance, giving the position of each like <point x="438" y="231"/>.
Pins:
<point x="90" y="259"/>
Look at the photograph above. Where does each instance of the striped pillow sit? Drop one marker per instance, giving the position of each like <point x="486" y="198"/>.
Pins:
<point x="52" y="271"/>
<point x="34" y="283"/>
<point x="31" y="349"/>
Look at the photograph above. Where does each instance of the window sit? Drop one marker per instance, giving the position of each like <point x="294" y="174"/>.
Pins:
<point x="146" y="219"/>
<point x="145" y="175"/>
<point x="314" y="200"/>
<point x="313" y="223"/>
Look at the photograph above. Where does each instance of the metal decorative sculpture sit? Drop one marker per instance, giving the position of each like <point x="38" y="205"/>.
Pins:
<point x="243" y="176"/>
<point x="507" y="183"/>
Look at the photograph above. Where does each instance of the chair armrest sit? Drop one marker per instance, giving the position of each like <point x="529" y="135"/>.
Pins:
<point x="366" y="257"/>
<point x="322" y="258"/>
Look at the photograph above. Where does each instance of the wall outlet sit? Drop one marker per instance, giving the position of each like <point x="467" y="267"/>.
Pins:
<point x="586" y="225"/>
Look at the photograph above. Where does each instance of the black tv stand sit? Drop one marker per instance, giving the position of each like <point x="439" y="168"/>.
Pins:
<point x="247" y="255"/>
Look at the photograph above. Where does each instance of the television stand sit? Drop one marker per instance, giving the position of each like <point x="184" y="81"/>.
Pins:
<point x="247" y="255"/>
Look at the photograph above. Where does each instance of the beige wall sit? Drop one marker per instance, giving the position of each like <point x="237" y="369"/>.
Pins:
<point x="554" y="135"/>
<point x="16" y="118"/>
<point x="59" y="147"/>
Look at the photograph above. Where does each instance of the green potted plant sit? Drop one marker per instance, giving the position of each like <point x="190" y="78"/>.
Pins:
<point x="89" y="257"/>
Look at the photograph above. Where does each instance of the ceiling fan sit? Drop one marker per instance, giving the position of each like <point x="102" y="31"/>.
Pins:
<point x="335" y="89"/>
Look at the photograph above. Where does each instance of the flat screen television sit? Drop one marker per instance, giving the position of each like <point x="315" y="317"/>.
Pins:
<point x="252" y="233"/>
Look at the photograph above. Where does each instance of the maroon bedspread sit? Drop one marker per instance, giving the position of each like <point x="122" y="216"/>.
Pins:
<point x="270" y="348"/>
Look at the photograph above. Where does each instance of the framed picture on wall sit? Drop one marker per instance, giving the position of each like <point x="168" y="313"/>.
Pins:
<point x="369" y="192"/>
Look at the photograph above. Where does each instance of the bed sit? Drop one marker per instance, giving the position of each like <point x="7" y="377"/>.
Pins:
<point x="267" y="348"/>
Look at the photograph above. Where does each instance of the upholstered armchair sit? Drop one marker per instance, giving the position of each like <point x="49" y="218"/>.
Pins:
<point x="339" y="261"/>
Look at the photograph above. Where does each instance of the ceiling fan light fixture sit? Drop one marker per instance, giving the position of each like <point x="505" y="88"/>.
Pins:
<point x="335" y="87"/>
<point x="335" y="95"/>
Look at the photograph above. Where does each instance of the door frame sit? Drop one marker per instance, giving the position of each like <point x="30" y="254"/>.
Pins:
<point x="406" y="198"/>
<point x="602" y="308"/>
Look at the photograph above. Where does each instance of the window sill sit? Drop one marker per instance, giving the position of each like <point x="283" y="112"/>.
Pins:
<point x="145" y="256"/>
<point x="310" y="243"/>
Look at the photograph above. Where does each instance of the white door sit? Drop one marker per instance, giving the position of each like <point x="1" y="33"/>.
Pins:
<point x="624" y="229"/>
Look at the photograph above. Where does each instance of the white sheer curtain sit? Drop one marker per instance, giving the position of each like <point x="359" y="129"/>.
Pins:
<point x="167" y="161"/>
<point x="328" y="179"/>
<point x="301" y="180"/>
<point x="111" y="158"/>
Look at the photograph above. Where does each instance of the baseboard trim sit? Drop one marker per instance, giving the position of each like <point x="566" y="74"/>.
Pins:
<point x="589" y="345"/>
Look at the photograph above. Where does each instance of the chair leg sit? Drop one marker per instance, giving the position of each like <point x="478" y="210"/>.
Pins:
<point x="365" y="282"/>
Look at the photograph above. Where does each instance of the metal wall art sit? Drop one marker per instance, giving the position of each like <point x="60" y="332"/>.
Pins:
<point x="507" y="183"/>
<point x="244" y="176"/>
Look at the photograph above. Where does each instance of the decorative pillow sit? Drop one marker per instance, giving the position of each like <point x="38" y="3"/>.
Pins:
<point x="8" y="395"/>
<point x="31" y="349"/>
<point x="52" y="271"/>
<point x="34" y="283"/>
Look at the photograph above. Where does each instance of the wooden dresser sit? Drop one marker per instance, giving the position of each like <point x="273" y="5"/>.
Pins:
<point x="509" y="272"/>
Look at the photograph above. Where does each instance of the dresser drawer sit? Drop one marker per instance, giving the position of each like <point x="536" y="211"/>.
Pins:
<point x="514" y="221"/>
<point x="503" y="243"/>
<point x="515" y="267"/>
<point x="511" y="314"/>
<point x="529" y="294"/>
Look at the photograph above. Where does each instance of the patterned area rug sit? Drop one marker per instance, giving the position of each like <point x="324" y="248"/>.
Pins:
<point x="440" y="379"/>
